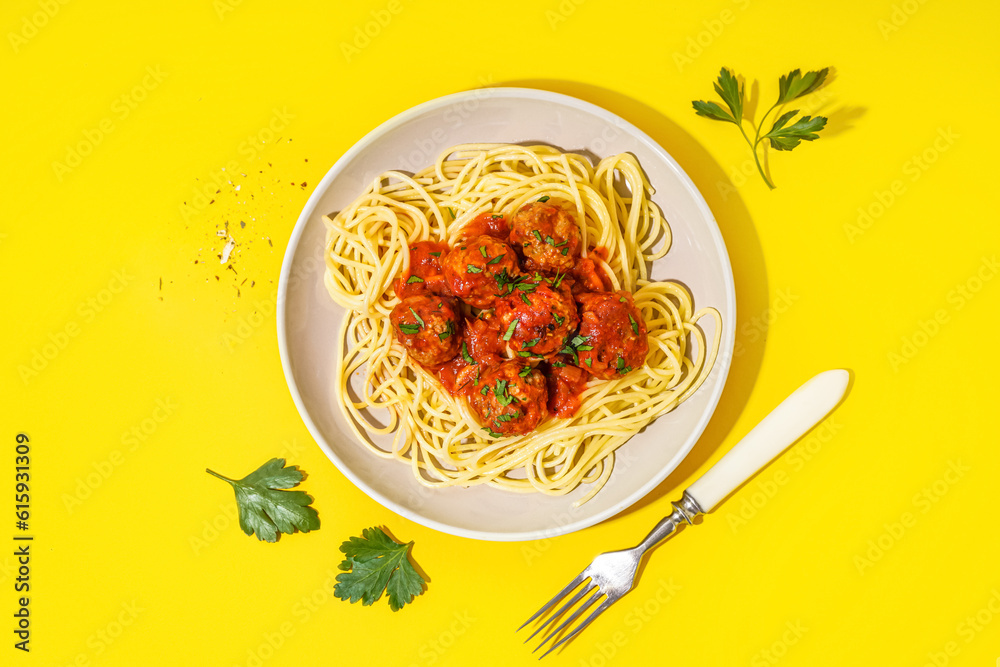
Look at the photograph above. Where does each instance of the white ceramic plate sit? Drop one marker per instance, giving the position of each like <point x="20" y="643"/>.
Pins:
<point x="308" y="320"/>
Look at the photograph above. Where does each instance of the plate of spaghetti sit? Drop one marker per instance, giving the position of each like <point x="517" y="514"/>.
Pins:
<point x="506" y="314"/>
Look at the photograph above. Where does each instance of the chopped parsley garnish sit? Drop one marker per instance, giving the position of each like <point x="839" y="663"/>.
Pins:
<point x="635" y="327"/>
<point x="555" y="282"/>
<point x="453" y="216"/>
<point x="543" y="199"/>
<point x="422" y="325"/>
<point x="590" y="362"/>
<point x="623" y="299"/>
<point x="503" y="398"/>
<point x="524" y="353"/>
<point x="496" y="217"/>
<point x="472" y="268"/>
<point x="538" y="235"/>
<point x="482" y="251"/>
<point x="525" y="372"/>
<point x="565" y="251"/>
<point x="576" y="343"/>
<point x="409" y="329"/>
<point x="468" y="357"/>
<point x="507" y="418"/>
<point x="559" y="320"/>
<point x="559" y="364"/>
<point x="492" y="433"/>
<point x="585" y="348"/>
<point x="448" y="331"/>
<point x="533" y="342"/>
<point x="485" y="390"/>
<point x="497" y="259"/>
<point x="525" y="299"/>
<point x="622" y="368"/>
<point x="510" y="329"/>
<point x="414" y="279"/>
<point x="527" y="287"/>
<point x="435" y="254"/>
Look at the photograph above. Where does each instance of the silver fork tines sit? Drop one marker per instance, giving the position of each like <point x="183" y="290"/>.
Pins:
<point x="611" y="575"/>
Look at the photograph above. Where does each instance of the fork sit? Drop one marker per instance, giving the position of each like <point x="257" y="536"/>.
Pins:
<point x="611" y="575"/>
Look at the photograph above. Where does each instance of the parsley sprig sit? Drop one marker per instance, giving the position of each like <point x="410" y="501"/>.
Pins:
<point x="266" y="508"/>
<point x="373" y="564"/>
<point x="782" y="137"/>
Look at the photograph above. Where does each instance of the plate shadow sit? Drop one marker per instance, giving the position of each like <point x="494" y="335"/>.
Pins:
<point x="745" y="254"/>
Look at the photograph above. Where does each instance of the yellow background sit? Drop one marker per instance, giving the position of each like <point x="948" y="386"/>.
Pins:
<point x="872" y="542"/>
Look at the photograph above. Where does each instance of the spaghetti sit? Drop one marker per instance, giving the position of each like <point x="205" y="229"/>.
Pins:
<point x="440" y="435"/>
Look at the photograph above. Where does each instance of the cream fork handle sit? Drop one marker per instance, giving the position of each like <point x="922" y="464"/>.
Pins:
<point x="787" y="423"/>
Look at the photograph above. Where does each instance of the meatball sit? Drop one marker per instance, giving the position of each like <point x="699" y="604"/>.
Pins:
<point x="612" y="339"/>
<point x="536" y="319"/>
<point x="548" y="236"/>
<point x="510" y="399"/>
<point x="428" y="327"/>
<point x="479" y="269"/>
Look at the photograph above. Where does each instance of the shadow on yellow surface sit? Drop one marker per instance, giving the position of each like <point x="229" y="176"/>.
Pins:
<point x="745" y="254"/>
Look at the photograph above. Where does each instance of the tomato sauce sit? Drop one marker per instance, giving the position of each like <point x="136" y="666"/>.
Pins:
<point x="566" y="383"/>
<point x="425" y="264"/>
<point x="489" y="225"/>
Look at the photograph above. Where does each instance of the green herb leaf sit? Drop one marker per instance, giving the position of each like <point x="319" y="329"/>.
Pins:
<point x="448" y="331"/>
<point x="472" y="268"/>
<point x="435" y="254"/>
<point x="713" y="111"/>
<point x="731" y="92"/>
<point x="265" y="508"/>
<point x="525" y="372"/>
<point x="543" y="199"/>
<point x="422" y="325"/>
<point x="533" y="342"/>
<point x="492" y="433"/>
<point x="538" y="235"/>
<point x="468" y="357"/>
<point x="804" y="129"/>
<point x="589" y="361"/>
<point x="524" y="298"/>
<point x="497" y="259"/>
<point x="409" y="329"/>
<point x="414" y="279"/>
<point x="559" y="320"/>
<point x="510" y="329"/>
<point x="794" y="85"/>
<point x="453" y="216"/>
<point x="376" y="563"/>
<point x="482" y="251"/>
<point x="635" y="326"/>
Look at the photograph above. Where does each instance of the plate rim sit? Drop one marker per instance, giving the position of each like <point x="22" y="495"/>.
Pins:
<point x="723" y="361"/>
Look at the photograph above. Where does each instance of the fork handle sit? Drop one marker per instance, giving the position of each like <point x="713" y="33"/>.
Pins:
<point x="787" y="423"/>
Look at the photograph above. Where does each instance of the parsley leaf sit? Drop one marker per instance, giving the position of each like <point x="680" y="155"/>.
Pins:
<point x="414" y="279"/>
<point x="794" y="85"/>
<point x="448" y="331"/>
<point x="409" y="329"/>
<point x="543" y="199"/>
<point x="559" y="320"/>
<point x="781" y="138"/>
<point x="496" y="259"/>
<point x="524" y="298"/>
<point x="635" y="326"/>
<point x="492" y="433"/>
<point x="376" y="563"/>
<point x="525" y="372"/>
<point x="510" y="329"/>
<point x="804" y="129"/>
<point x="465" y="355"/>
<point x="435" y="254"/>
<point x="472" y="268"/>
<point x="265" y="508"/>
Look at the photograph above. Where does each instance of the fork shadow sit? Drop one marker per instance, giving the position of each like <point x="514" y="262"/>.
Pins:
<point x="745" y="254"/>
